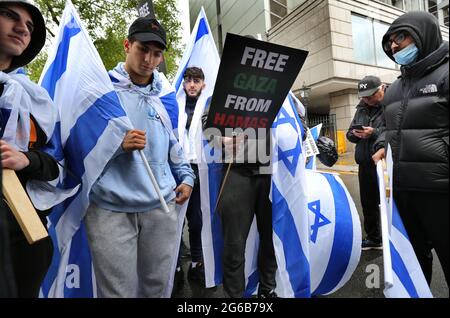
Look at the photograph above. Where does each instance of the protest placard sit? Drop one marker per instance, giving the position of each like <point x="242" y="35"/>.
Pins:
<point x="145" y="9"/>
<point x="253" y="81"/>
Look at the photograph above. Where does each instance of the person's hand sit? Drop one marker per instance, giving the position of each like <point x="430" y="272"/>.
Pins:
<point x="183" y="192"/>
<point x="234" y="145"/>
<point x="11" y="158"/>
<point x="379" y="155"/>
<point x="134" y="140"/>
<point x="367" y="132"/>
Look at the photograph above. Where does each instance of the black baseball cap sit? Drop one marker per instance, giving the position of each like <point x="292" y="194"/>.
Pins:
<point x="368" y="86"/>
<point x="37" y="37"/>
<point x="148" y="30"/>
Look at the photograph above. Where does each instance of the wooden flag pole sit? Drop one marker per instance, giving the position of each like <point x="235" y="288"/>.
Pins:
<point x="223" y="185"/>
<point x="22" y="208"/>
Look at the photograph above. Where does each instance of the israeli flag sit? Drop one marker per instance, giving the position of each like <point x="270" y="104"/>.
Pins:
<point x="93" y="125"/>
<point x="403" y="276"/>
<point x="335" y="233"/>
<point x="289" y="205"/>
<point x="201" y="52"/>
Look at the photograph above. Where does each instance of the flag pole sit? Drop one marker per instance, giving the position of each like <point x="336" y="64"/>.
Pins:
<point x="223" y="185"/>
<point x="154" y="182"/>
<point x="387" y="261"/>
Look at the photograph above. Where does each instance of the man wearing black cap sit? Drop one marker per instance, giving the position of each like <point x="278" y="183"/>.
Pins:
<point x="417" y="130"/>
<point x="132" y="239"/>
<point x="22" y="36"/>
<point x="364" y="130"/>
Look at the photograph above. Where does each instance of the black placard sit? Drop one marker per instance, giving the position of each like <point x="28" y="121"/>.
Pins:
<point x="253" y="81"/>
<point x="145" y="9"/>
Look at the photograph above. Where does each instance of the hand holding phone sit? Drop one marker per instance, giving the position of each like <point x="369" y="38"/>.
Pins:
<point x="357" y="127"/>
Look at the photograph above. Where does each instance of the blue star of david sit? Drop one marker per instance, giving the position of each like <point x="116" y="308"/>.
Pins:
<point x="294" y="153"/>
<point x="284" y="118"/>
<point x="319" y="221"/>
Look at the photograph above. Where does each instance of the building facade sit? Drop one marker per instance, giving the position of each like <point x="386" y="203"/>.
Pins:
<point x="343" y="38"/>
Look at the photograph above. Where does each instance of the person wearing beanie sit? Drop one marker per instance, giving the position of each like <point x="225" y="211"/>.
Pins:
<point x="417" y="130"/>
<point x="22" y="36"/>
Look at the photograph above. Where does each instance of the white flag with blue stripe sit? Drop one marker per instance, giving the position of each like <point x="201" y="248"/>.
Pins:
<point x="335" y="233"/>
<point x="201" y="52"/>
<point x="289" y="202"/>
<point x="93" y="125"/>
<point x="403" y="275"/>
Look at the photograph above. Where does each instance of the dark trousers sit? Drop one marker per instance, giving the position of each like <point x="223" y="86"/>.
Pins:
<point x="30" y="262"/>
<point x="7" y="283"/>
<point x="245" y="196"/>
<point x="370" y="200"/>
<point x="425" y="217"/>
<point x="195" y="222"/>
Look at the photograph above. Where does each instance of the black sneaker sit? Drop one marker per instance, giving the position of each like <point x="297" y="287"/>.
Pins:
<point x="369" y="244"/>
<point x="271" y="294"/>
<point x="197" y="274"/>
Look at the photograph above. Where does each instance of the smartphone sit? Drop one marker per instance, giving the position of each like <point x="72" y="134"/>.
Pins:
<point x="357" y="127"/>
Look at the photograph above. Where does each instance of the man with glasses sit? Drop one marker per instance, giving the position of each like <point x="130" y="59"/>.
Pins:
<point x="366" y="127"/>
<point x="417" y="130"/>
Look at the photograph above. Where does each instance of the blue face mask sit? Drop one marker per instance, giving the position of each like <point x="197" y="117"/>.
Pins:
<point x="408" y="55"/>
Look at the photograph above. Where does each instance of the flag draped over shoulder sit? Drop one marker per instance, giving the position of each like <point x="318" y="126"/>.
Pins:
<point x="403" y="275"/>
<point x="201" y="52"/>
<point x="20" y="99"/>
<point x="92" y="127"/>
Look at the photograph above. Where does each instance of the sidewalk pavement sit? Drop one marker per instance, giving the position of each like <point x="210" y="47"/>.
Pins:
<point x="345" y="164"/>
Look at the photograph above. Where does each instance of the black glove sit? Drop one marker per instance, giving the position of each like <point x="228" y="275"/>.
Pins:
<point x="328" y="153"/>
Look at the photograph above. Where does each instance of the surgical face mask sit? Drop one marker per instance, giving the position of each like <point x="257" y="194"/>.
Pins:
<point x="408" y="55"/>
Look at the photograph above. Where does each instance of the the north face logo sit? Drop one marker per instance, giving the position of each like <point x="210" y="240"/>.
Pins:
<point x="429" y="89"/>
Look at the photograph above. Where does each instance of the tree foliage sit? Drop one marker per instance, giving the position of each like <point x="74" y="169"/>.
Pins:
<point x="107" y="22"/>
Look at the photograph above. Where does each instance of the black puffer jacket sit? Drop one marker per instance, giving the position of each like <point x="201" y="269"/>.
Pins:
<point x="417" y="117"/>
<point x="368" y="116"/>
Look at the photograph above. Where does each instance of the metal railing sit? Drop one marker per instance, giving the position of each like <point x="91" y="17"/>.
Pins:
<point x="329" y="125"/>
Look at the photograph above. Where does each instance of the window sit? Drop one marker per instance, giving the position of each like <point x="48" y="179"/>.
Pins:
<point x="433" y="7"/>
<point x="367" y="38"/>
<point x="445" y="13"/>
<point x="407" y="5"/>
<point x="278" y="10"/>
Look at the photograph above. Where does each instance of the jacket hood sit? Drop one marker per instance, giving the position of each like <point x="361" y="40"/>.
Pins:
<point x="423" y="27"/>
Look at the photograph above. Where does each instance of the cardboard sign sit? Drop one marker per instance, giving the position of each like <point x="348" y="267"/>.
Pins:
<point x="310" y="145"/>
<point x="253" y="81"/>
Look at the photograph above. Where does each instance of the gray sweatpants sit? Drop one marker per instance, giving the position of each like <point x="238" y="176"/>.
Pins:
<point x="132" y="252"/>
